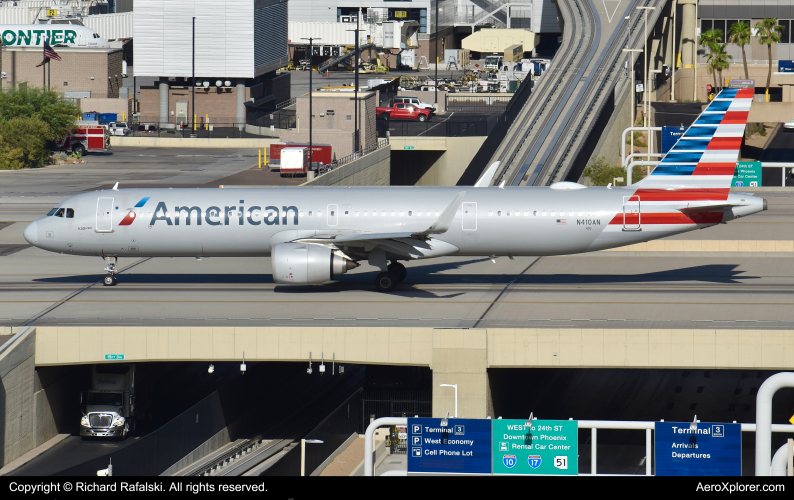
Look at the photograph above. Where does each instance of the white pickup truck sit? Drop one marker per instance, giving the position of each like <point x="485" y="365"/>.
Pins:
<point x="118" y="128"/>
<point x="416" y="102"/>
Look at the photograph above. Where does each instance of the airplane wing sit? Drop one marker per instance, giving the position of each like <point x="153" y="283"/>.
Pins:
<point x="406" y="244"/>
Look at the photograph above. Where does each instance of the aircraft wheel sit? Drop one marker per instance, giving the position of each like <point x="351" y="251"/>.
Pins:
<point x="386" y="282"/>
<point x="109" y="280"/>
<point x="399" y="270"/>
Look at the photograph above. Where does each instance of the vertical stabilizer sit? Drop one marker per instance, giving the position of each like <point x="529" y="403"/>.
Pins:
<point x="705" y="156"/>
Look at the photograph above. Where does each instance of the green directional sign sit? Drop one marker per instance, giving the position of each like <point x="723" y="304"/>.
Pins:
<point x="114" y="356"/>
<point x="548" y="447"/>
<point x="747" y="174"/>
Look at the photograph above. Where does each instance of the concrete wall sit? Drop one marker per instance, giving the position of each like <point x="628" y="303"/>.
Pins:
<point x="219" y="104"/>
<point x="446" y="169"/>
<point x="186" y="142"/>
<point x="455" y="356"/>
<point x="107" y="105"/>
<point x="26" y="420"/>
<point x="683" y="81"/>
<point x="609" y="142"/>
<point x="373" y="169"/>
<point x="80" y="70"/>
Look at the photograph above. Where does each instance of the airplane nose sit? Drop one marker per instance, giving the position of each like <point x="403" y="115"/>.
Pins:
<point x="31" y="233"/>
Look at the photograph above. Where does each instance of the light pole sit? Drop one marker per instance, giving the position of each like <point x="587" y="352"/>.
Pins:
<point x="193" y="82"/>
<point x="675" y="59"/>
<point x="646" y="95"/>
<point x="303" y="452"/>
<point x="633" y="98"/>
<point x="355" y="91"/>
<point x="311" y="148"/>
<point x="435" y="81"/>
<point x="456" y="396"/>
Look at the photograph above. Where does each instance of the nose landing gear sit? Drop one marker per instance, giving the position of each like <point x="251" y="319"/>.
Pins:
<point x="110" y="278"/>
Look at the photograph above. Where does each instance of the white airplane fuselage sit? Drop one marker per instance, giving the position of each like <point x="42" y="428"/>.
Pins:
<point x="249" y="222"/>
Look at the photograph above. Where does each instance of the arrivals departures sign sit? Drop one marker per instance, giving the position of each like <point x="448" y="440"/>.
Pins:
<point x="549" y="447"/>
<point x="711" y="449"/>
<point x="462" y="447"/>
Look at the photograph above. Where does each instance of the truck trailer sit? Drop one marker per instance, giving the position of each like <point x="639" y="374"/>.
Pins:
<point x="113" y="404"/>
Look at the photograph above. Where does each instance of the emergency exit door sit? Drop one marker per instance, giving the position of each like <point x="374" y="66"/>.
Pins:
<point x="469" y="219"/>
<point x="104" y="215"/>
<point x="632" y="215"/>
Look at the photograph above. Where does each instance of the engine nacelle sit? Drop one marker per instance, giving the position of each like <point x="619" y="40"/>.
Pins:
<point x="307" y="264"/>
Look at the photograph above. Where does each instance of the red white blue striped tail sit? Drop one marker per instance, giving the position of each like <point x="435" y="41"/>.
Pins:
<point x="705" y="156"/>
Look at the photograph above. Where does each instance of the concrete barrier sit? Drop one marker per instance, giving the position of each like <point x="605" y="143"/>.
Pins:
<point x="373" y="169"/>
<point x="187" y="142"/>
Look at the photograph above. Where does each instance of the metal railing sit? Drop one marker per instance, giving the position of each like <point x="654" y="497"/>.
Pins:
<point x="472" y="128"/>
<point x="382" y="143"/>
<point x="287" y="103"/>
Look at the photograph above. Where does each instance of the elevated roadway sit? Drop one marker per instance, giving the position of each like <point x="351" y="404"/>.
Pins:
<point x="563" y="108"/>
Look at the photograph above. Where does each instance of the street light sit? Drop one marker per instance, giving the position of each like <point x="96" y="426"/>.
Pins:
<point x="646" y="122"/>
<point x="456" y="396"/>
<point x="633" y="98"/>
<point x="303" y="452"/>
<point x="311" y="41"/>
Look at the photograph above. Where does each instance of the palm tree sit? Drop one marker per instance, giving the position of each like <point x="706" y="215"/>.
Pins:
<point x="768" y="33"/>
<point x="711" y="39"/>
<point x="741" y="34"/>
<point x="719" y="60"/>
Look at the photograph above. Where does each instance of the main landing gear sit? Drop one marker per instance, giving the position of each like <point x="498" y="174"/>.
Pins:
<point x="387" y="282"/>
<point x="110" y="278"/>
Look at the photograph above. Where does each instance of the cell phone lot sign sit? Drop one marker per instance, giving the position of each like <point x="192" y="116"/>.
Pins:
<point x="463" y="446"/>
<point x="709" y="449"/>
<point x="548" y="447"/>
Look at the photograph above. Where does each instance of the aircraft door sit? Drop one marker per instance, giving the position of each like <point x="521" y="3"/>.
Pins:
<point x="632" y="214"/>
<point x="333" y="215"/>
<point x="104" y="215"/>
<point x="80" y="38"/>
<point x="469" y="219"/>
<point x="347" y="213"/>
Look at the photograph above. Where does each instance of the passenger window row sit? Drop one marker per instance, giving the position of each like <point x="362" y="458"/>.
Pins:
<point x="544" y="213"/>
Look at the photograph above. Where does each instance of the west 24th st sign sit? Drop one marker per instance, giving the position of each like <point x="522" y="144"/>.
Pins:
<point x="548" y="447"/>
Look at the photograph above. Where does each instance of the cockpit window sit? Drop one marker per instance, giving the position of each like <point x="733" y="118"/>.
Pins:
<point x="70" y="213"/>
<point x="52" y="212"/>
<point x="59" y="213"/>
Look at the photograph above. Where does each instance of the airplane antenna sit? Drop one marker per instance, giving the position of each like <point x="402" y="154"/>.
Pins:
<point x="502" y="185"/>
<point x="116" y="187"/>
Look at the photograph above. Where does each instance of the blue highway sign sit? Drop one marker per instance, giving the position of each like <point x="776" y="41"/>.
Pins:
<point x="461" y="447"/>
<point x="713" y="449"/>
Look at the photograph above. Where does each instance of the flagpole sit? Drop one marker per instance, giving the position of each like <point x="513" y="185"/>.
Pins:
<point x="44" y="68"/>
<point x="49" y="75"/>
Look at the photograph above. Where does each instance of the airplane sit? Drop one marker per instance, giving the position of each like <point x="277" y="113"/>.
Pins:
<point x="313" y="234"/>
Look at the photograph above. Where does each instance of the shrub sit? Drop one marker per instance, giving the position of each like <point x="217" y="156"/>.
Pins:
<point x="602" y="173"/>
<point x="25" y="141"/>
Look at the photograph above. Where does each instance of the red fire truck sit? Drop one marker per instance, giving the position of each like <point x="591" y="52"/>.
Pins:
<point x="85" y="139"/>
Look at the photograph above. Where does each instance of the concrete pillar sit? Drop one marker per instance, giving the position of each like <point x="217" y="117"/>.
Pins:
<point x="240" y="98"/>
<point x="163" y="103"/>
<point x="668" y="42"/>
<point x="460" y="357"/>
<point x="688" y="23"/>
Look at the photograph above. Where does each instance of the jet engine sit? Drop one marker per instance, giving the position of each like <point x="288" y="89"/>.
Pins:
<point x="307" y="264"/>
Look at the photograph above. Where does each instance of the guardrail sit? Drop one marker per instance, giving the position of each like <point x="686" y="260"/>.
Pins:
<point x="594" y="425"/>
<point x="382" y="143"/>
<point x="437" y="128"/>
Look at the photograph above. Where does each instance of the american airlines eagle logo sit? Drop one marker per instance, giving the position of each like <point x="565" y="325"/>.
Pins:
<point x="130" y="217"/>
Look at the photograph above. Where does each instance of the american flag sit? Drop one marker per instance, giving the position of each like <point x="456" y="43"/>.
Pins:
<point x="49" y="53"/>
<point x="562" y="222"/>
